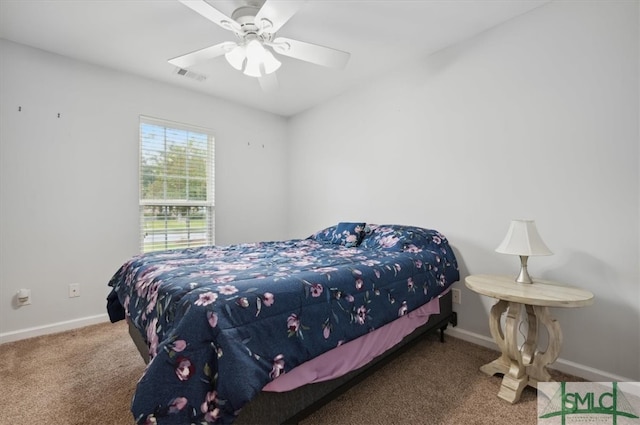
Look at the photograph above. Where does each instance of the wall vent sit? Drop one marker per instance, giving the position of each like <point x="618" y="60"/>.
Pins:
<point x="190" y="74"/>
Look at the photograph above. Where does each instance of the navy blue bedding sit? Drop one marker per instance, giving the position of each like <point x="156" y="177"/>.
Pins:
<point x="222" y="321"/>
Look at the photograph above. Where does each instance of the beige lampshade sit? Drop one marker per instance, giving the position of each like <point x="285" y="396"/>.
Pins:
<point x="523" y="239"/>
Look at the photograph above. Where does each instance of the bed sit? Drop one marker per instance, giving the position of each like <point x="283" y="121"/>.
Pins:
<point x="227" y="329"/>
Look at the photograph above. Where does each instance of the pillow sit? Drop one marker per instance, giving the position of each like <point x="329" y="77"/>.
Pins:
<point x="325" y="235"/>
<point x="381" y="237"/>
<point x="349" y="234"/>
<point x="393" y="237"/>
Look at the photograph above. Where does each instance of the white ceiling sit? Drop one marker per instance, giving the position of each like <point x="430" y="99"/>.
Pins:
<point x="139" y="36"/>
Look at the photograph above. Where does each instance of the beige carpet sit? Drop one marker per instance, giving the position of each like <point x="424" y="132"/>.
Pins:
<point x="88" y="376"/>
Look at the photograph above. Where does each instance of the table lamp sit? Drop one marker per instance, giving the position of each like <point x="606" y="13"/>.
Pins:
<point x="523" y="239"/>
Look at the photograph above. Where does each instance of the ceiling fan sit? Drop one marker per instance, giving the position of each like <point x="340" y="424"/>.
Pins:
<point x="255" y="28"/>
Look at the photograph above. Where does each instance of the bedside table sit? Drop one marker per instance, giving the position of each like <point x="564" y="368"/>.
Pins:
<point x="526" y="364"/>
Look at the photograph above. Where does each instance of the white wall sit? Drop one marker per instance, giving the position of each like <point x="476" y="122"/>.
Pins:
<point x="69" y="185"/>
<point x="537" y="118"/>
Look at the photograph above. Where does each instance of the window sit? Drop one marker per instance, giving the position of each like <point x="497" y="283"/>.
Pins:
<point x="176" y="185"/>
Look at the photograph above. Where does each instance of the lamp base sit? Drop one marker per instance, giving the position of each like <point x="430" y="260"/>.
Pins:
<point x="524" y="277"/>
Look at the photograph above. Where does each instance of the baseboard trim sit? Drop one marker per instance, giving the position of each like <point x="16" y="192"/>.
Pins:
<point x="52" y="328"/>
<point x="562" y="365"/>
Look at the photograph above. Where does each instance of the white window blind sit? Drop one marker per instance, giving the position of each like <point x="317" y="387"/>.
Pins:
<point x="176" y="185"/>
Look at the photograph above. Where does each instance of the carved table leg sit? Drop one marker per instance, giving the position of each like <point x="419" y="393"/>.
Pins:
<point x="515" y="361"/>
<point x="502" y="363"/>
<point x="516" y="377"/>
<point x="530" y="345"/>
<point x="538" y="369"/>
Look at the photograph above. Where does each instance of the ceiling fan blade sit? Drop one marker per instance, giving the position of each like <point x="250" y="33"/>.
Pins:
<point x="269" y="82"/>
<point x="190" y="59"/>
<point x="212" y="14"/>
<point x="277" y="13"/>
<point x="308" y="52"/>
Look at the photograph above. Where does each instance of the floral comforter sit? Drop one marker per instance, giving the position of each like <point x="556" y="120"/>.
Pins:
<point x="222" y="321"/>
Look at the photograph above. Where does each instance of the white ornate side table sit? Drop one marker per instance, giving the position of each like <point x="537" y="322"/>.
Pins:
<point x="526" y="364"/>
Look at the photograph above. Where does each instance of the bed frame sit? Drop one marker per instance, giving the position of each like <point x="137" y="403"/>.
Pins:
<point x="292" y="406"/>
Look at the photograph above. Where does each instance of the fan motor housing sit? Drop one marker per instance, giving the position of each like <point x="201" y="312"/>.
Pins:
<point x="245" y="16"/>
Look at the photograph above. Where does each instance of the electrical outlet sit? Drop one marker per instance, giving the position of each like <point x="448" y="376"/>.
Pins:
<point x="456" y="295"/>
<point x="74" y="290"/>
<point x="24" y="297"/>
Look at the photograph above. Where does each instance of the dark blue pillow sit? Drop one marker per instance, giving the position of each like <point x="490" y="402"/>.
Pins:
<point x="325" y="235"/>
<point x="393" y="237"/>
<point x="349" y="234"/>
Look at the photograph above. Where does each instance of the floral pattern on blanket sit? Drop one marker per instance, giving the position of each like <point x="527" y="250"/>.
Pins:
<point x="221" y="322"/>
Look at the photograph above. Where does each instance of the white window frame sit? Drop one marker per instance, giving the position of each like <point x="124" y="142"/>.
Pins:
<point x="175" y="236"/>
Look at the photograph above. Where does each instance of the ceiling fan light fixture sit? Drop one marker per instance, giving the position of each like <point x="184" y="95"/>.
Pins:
<point x="271" y="64"/>
<point x="259" y="61"/>
<point x="237" y="57"/>
<point x="253" y="69"/>
<point x="255" y="57"/>
<point x="255" y="50"/>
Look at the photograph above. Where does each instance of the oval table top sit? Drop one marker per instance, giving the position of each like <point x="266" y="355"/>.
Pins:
<point x="540" y="292"/>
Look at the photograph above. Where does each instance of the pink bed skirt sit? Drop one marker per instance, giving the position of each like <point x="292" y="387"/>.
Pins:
<point x="354" y="354"/>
